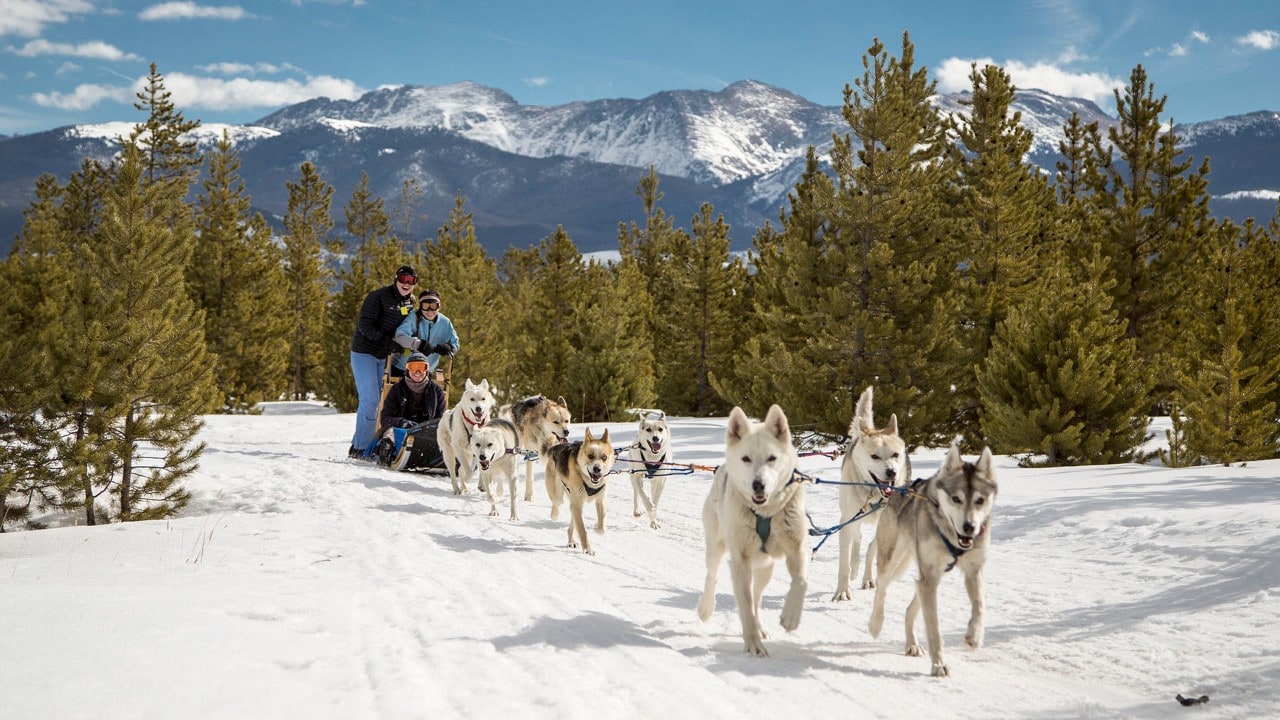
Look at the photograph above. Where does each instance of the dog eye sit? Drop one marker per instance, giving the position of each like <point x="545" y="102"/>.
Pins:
<point x="875" y="456"/>
<point x="746" y="459"/>
<point x="772" y="458"/>
<point x="956" y="499"/>
<point x="979" y="501"/>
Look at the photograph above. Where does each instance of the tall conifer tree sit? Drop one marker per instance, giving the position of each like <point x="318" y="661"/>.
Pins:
<point x="237" y="278"/>
<point x="307" y="224"/>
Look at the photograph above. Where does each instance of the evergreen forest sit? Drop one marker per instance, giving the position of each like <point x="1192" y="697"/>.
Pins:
<point x="989" y="302"/>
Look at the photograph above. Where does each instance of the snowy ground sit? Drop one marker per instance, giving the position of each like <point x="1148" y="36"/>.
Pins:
<point x="299" y="584"/>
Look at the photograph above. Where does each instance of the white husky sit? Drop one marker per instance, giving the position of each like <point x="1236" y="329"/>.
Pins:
<point x="645" y="458"/>
<point x="456" y="426"/>
<point x="944" y="522"/>
<point x="494" y="448"/>
<point x="754" y="513"/>
<point x="876" y="457"/>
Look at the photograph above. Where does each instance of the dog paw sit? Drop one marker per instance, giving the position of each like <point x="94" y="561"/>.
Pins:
<point x="493" y="512"/>
<point x="636" y="513"/>
<point x="874" y="625"/>
<point x="868" y="585"/>
<point x="706" y="606"/>
<point x="914" y="650"/>
<point x="755" y="647"/>
<point x="588" y="551"/>
<point x="974" y="638"/>
<point x="654" y="524"/>
<point x="599" y="529"/>
<point x="940" y="670"/>
<point x="842" y="596"/>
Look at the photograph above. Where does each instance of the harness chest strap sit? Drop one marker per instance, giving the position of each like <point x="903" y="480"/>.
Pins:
<point x="651" y="468"/>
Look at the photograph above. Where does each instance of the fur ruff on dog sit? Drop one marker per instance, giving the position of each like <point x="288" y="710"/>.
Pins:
<point x="944" y="523"/>
<point x="755" y="513"/>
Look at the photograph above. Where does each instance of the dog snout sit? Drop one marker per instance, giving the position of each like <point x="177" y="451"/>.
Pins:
<point x="757" y="487"/>
<point x="968" y="528"/>
<point x="890" y="473"/>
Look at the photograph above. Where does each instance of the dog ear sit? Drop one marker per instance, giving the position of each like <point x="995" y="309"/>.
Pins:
<point x="863" y="425"/>
<point x="776" y="423"/>
<point x="605" y="438"/>
<point x="953" y="462"/>
<point x="469" y="384"/>
<point x="588" y="435"/>
<point x="484" y="384"/>
<point x="893" y="424"/>
<point x="984" y="461"/>
<point x="738" y="427"/>
<point x="560" y="399"/>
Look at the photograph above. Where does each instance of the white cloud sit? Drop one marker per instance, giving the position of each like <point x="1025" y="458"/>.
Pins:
<point x="1199" y="37"/>
<point x="67" y="67"/>
<point x="1261" y="39"/>
<point x="28" y="17"/>
<point x="192" y="11"/>
<point x="96" y="50"/>
<point x="83" y="97"/>
<point x="953" y="76"/>
<point x="241" y="93"/>
<point x="537" y="81"/>
<point x="236" y="68"/>
<point x="1178" y="50"/>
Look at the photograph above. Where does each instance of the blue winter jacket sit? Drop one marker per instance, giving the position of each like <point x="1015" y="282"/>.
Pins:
<point x="418" y="333"/>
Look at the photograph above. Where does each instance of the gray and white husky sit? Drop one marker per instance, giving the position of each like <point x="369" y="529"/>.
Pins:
<point x="876" y="457"/>
<point x="944" y="523"/>
<point x="646" y="457"/>
<point x="755" y="513"/>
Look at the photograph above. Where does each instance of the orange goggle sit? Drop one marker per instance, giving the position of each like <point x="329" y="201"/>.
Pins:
<point x="416" y="366"/>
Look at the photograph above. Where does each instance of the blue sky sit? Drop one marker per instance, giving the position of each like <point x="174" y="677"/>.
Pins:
<point x="80" y="61"/>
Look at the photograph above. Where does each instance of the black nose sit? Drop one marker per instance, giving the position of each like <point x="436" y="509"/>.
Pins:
<point x="968" y="528"/>
<point x="891" y="473"/>
<point x="757" y="486"/>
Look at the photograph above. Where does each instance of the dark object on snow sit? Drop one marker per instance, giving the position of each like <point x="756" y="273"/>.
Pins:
<point x="414" y="448"/>
<point x="1189" y="701"/>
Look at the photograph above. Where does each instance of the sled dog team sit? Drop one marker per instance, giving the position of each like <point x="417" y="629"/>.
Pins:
<point x="755" y="510"/>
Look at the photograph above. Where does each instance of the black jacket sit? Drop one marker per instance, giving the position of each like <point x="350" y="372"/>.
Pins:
<point x="380" y="315"/>
<point x="401" y="408"/>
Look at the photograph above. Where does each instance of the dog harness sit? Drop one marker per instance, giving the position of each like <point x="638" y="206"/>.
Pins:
<point x="652" y="468"/>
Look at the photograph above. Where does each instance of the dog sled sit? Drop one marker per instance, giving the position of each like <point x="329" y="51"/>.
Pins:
<point x="411" y="449"/>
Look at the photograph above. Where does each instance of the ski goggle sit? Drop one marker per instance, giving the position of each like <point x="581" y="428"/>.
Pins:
<point x="407" y="279"/>
<point x="416" y="366"/>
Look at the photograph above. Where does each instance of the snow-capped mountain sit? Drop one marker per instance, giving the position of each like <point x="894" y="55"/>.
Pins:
<point x="526" y="169"/>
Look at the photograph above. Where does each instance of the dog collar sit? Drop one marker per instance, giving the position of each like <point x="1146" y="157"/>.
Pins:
<point x="955" y="551"/>
<point x="592" y="491"/>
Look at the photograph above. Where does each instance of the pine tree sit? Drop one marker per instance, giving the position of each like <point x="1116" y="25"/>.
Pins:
<point x="467" y="280"/>
<point x="307" y="224"/>
<point x="237" y="278"/>
<point x="377" y="254"/>
<point x="1004" y="209"/>
<point x="651" y="248"/>
<point x="168" y="152"/>
<point x="699" y="334"/>
<point x="610" y="366"/>
<point x="1062" y="379"/>
<point x="159" y="380"/>
<point x="886" y="247"/>
<point x="544" y="292"/>
<point x="1153" y="215"/>
<point x="1229" y="376"/>
<point x="780" y="303"/>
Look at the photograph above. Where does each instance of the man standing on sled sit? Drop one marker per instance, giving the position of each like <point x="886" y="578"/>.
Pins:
<point x="374" y="339"/>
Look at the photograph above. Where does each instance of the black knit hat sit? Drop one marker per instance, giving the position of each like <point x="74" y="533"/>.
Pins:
<point x="405" y="270"/>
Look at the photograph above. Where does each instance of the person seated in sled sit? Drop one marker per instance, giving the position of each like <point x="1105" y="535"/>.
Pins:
<point x="414" y="399"/>
<point x="427" y="331"/>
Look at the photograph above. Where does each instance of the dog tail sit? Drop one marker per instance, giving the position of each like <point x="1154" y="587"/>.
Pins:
<point x="862" y="418"/>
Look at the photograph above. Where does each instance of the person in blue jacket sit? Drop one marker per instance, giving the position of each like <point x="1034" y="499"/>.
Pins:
<point x="374" y="339"/>
<point x="427" y="331"/>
